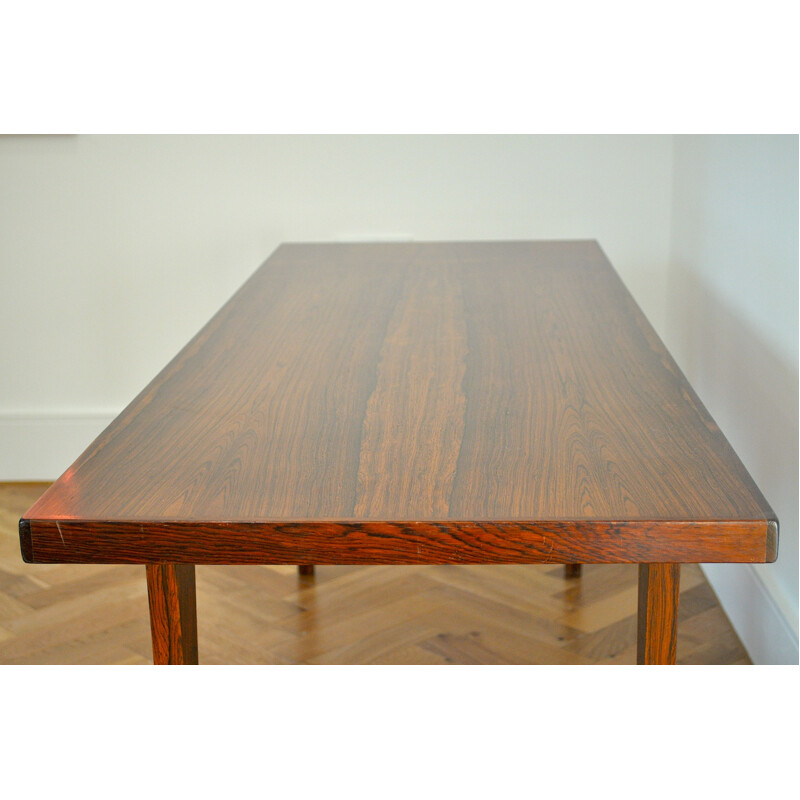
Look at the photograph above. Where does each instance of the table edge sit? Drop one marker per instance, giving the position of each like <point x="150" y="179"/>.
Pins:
<point x="398" y="542"/>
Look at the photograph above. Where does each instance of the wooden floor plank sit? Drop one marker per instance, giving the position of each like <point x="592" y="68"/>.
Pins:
<point x="516" y="614"/>
<point x="408" y="655"/>
<point x="592" y="617"/>
<point x="610" y="645"/>
<point x="495" y="646"/>
<point x="375" y="643"/>
<point x="84" y="583"/>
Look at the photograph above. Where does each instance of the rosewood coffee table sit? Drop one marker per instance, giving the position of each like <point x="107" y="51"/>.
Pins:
<point x="482" y="403"/>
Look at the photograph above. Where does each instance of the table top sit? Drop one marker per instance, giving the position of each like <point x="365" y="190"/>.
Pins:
<point x="413" y="403"/>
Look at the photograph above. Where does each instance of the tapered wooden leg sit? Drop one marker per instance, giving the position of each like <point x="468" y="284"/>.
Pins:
<point x="572" y="570"/>
<point x="306" y="569"/>
<point x="173" y="613"/>
<point x="659" y="587"/>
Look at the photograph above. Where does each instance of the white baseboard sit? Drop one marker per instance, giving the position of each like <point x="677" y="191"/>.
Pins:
<point x="39" y="447"/>
<point x="766" y="631"/>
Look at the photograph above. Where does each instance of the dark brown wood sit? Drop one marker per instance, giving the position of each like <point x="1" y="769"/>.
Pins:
<point x="414" y="403"/>
<point x="450" y="542"/>
<point x="306" y="569"/>
<point x="173" y="613"/>
<point x="25" y="541"/>
<point x="659" y="589"/>
<point x="572" y="570"/>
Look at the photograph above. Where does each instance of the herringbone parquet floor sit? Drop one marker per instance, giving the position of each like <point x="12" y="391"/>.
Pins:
<point x="86" y="614"/>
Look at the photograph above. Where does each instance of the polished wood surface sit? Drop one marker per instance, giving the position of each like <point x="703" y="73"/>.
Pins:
<point x="506" y="614"/>
<point x="413" y="403"/>
<point x="173" y="613"/>
<point x="659" y="589"/>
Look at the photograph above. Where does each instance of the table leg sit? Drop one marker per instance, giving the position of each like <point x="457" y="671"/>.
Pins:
<point x="572" y="570"/>
<point x="173" y="613"/>
<point x="306" y="569"/>
<point x="658" y="613"/>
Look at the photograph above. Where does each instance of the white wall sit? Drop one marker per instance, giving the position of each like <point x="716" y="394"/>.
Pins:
<point x="732" y="325"/>
<point x="115" y="250"/>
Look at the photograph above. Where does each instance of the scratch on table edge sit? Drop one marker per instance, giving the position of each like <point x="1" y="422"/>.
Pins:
<point x="550" y="551"/>
<point x="26" y="541"/>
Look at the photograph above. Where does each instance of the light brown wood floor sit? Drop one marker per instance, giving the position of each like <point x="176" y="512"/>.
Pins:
<point x="86" y="614"/>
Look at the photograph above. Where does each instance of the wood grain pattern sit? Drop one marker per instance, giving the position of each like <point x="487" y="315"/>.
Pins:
<point x="173" y="613"/>
<point x="659" y="590"/>
<point x="415" y="415"/>
<point x="471" y="402"/>
<point x="449" y="542"/>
